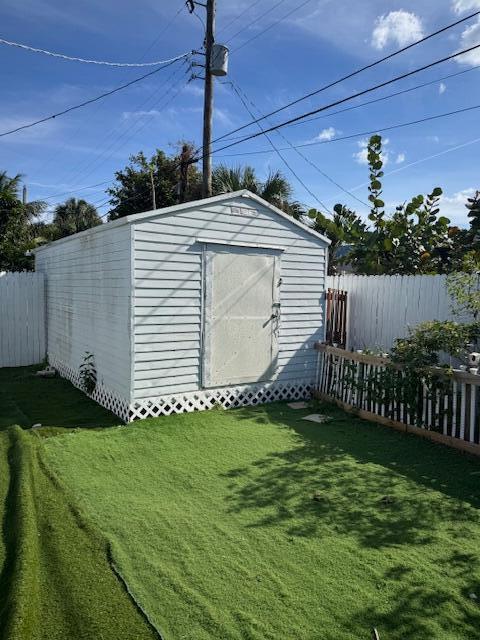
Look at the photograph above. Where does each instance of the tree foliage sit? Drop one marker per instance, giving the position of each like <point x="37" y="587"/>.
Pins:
<point x="133" y="191"/>
<point x="275" y="189"/>
<point x="17" y="234"/>
<point x="414" y="239"/>
<point x="72" y="217"/>
<point x="344" y="228"/>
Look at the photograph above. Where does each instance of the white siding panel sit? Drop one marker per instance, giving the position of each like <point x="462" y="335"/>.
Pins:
<point x="88" y="283"/>
<point x="168" y="294"/>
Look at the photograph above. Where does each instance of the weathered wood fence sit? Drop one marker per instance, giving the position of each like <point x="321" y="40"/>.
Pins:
<point x="22" y="319"/>
<point x="382" y="308"/>
<point x="446" y="412"/>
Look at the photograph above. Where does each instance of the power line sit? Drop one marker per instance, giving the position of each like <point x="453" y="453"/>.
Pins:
<point x="258" y="18"/>
<point x="381" y="99"/>
<point x="354" y="73"/>
<point x="425" y="159"/>
<point x="359" y="134"/>
<point x="240" y="15"/>
<point x="277" y="151"/>
<point x="130" y="137"/>
<point x="84" y="169"/>
<point x="66" y="193"/>
<point x="271" y="26"/>
<point x="87" y="102"/>
<point x="54" y="54"/>
<point x="348" y="98"/>
<point x="303" y="156"/>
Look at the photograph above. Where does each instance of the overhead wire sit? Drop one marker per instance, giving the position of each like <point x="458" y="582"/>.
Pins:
<point x="354" y="73"/>
<point x="302" y="155"/>
<point x="257" y="19"/>
<point x="238" y="16"/>
<point x="271" y="26"/>
<point x="376" y="100"/>
<point x="115" y="136"/>
<point x="63" y="56"/>
<point x="87" y="102"/>
<point x="348" y="98"/>
<point x="279" y="154"/>
<point x="360" y="134"/>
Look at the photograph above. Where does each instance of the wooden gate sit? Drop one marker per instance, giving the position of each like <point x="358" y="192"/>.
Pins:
<point x="336" y="317"/>
<point x="22" y="319"/>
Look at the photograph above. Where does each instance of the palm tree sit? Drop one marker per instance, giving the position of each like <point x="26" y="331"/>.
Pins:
<point x="74" y="216"/>
<point x="16" y="228"/>
<point x="276" y="189"/>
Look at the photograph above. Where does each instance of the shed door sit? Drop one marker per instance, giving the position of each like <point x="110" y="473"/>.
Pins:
<point x="241" y="315"/>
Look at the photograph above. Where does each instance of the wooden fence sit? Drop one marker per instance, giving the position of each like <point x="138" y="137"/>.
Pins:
<point x="336" y="317"/>
<point x="382" y="308"/>
<point x="446" y="411"/>
<point x="22" y="319"/>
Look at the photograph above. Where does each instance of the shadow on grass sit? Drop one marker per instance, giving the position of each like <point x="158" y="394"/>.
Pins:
<point x="350" y="476"/>
<point x="394" y="494"/>
<point x="415" y="603"/>
<point x="54" y="402"/>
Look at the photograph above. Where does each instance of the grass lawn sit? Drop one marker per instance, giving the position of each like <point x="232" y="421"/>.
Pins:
<point x="255" y="524"/>
<point x="56" y="581"/>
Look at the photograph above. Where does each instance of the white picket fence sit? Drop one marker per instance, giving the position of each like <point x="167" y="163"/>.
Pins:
<point x="447" y="411"/>
<point x="22" y="319"/>
<point x="382" y="308"/>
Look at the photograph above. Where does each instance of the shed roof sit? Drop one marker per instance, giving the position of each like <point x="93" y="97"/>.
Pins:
<point x="134" y="218"/>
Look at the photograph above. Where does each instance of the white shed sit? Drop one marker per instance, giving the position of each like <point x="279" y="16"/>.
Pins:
<point x="217" y="301"/>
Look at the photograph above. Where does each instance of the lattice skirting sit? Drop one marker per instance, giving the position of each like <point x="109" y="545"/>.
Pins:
<point x="227" y="398"/>
<point x="201" y="400"/>
<point x="103" y="396"/>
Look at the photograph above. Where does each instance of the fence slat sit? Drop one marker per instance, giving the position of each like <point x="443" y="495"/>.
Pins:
<point x="382" y="308"/>
<point x="447" y="411"/>
<point x="22" y="319"/>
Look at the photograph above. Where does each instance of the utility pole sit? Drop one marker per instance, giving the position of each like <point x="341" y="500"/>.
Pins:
<point x="154" y="202"/>
<point x="185" y="158"/>
<point x="208" y="101"/>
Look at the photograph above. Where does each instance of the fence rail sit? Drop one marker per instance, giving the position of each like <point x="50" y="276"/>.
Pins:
<point x="22" y="319"/>
<point x="445" y="410"/>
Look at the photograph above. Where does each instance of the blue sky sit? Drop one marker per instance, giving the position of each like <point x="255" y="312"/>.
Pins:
<point x="316" y="44"/>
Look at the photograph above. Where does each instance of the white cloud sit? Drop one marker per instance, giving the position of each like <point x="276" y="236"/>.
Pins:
<point x="362" y="156"/>
<point x="442" y="87"/>
<point x="460" y="6"/>
<point x="400" y="158"/>
<point x="222" y="117"/>
<point x="397" y="27"/>
<point x="453" y="206"/>
<point x="469" y="38"/>
<point x="127" y="115"/>
<point x="327" y="134"/>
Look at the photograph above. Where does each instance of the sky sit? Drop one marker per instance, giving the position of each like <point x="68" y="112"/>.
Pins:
<point x="280" y="50"/>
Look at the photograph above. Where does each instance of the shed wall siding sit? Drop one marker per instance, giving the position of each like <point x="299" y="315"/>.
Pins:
<point x="168" y="305"/>
<point x="88" y="284"/>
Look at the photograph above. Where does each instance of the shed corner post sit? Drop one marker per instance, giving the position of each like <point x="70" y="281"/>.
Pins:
<point x="131" y="327"/>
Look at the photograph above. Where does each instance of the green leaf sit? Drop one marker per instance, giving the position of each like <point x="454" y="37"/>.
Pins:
<point x="387" y="243"/>
<point x="378" y="203"/>
<point x="312" y="213"/>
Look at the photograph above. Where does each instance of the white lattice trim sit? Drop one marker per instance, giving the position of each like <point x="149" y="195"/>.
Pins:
<point x="227" y="398"/>
<point x="103" y="396"/>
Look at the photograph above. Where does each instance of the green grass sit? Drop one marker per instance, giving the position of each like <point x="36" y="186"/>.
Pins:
<point x="56" y="581"/>
<point x="214" y="525"/>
